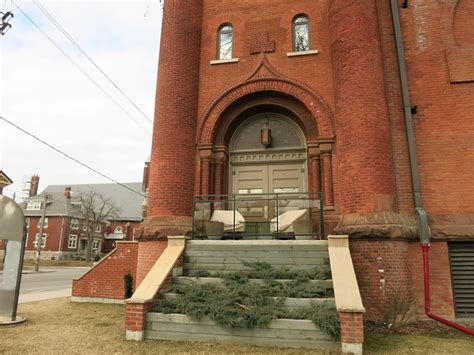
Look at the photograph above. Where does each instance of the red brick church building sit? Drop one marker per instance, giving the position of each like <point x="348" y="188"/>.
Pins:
<point x="329" y="97"/>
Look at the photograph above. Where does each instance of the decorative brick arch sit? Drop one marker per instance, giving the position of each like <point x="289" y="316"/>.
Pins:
<point x="456" y="34"/>
<point x="266" y="79"/>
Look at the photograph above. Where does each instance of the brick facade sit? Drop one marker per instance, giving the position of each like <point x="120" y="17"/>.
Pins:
<point x="128" y="227"/>
<point x="346" y="98"/>
<point x="105" y="280"/>
<point x="442" y="302"/>
<point x="383" y="271"/>
<point x="352" y="327"/>
<point x="148" y="253"/>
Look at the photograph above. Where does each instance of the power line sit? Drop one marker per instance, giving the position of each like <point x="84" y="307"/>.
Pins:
<point x="68" y="156"/>
<point x="82" y="70"/>
<point x="58" y="26"/>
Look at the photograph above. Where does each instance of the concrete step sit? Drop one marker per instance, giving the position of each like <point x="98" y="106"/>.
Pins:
<point x="288" y="303"/>
<point x="257" y="245"/>
<point x="186" y="280"/>
<point x="275" y="261"/>
<point x="193" y="252"/>
<point x="229" y="255"/>
<point x="190" y="268"/>
<point x="280" y="332"/>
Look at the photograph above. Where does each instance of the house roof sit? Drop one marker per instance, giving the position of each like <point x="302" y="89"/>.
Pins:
<point x="4" y="179"/>
<point x="128" y="202"/>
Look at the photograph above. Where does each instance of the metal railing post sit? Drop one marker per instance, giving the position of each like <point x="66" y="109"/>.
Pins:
<point x="194" y="225"/>
<point x="321" y="212"/>
<point x="277" y="216"/>
<point x="233" y="209"/>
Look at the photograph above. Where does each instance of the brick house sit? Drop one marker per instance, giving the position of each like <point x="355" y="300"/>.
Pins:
<point x="64" y="231"/>
<point x="4" y="181"/>
<point x="329" y="97"/>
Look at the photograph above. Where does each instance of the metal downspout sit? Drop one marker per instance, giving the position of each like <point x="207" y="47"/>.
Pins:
<point x="425" y="233"/>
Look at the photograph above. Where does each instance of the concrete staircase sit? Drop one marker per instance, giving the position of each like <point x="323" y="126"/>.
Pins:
<point x="202" y="256"/>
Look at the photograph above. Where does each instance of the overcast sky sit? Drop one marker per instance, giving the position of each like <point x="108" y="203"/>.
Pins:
<point x="44" y="93"/>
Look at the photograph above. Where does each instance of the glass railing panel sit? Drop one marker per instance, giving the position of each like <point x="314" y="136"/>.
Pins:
<point x="287" y="215"/>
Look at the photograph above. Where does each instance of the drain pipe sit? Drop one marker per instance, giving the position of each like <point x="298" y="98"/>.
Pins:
<point x="424" y="229"/>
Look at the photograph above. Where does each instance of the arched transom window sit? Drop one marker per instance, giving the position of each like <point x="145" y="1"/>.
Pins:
<point x="225" y="42"/>
<point x="301" y="33"/>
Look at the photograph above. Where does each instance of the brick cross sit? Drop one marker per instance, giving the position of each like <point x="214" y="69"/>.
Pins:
<point x="261" y="43"/>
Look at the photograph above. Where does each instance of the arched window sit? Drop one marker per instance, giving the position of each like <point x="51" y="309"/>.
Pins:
<point x="301" y="33"/>
<point x="224" y="42"/>
<point x="118" y="229"/>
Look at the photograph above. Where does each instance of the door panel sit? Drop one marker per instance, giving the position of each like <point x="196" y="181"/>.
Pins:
<point x="248" y="178"/>
<point x="286" y="178"/>
<point x="251" y="179"/>
<point x="256" y="179"/>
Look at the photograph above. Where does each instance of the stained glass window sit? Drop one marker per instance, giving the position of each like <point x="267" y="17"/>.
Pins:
<point x="301" y="33"/>
<point x="225" y="41"/>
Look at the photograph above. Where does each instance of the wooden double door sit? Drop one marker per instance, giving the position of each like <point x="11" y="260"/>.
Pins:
<point x="268" y="178"/>
<point x="258" y="181"/>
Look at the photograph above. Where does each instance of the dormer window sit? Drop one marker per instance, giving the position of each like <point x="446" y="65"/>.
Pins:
<point x="34" y="205"/>
<point x="301" y="33"/>
<point x="225" y="42"/>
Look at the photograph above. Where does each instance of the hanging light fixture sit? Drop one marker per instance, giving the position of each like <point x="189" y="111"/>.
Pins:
<point x="266" y="135"/>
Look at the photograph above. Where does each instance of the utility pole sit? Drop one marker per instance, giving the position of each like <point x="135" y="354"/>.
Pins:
<point x="40" y="237"/>
<point x="4" y="25"/>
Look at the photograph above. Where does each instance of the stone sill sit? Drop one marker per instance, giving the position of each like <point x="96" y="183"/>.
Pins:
<point x="224" y="61"/>
<point x="81" y="299"/>
<point x="298" y="54"/>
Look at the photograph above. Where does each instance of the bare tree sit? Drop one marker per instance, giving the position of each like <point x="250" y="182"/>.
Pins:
<point x="96" y="209"/>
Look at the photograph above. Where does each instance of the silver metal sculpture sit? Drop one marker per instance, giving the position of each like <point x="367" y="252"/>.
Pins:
<point x="12" y="229"/>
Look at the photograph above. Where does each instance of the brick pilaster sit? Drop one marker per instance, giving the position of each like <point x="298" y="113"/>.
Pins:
<point x="352" y="332"/>
<point x="361" y="115"/>
<point x="172" y="171"/>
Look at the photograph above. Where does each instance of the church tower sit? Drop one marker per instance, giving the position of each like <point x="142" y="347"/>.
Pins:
<point x="268" y="97"/>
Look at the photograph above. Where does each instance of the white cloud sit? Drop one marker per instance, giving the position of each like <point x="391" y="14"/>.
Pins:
<point x="44" y="93"/>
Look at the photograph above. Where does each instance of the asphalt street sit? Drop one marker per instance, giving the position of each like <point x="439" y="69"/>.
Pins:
<point x="48" y="283"/>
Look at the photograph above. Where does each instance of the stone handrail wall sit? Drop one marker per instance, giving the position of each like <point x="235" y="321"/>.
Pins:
<point x="347" y="296"/>
<point x="104" y="282"/>
<point x="145" y="296"/>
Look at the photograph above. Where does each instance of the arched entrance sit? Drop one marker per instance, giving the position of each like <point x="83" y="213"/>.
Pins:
<point x="219" y="149"/>
<point x="268" y="155"/>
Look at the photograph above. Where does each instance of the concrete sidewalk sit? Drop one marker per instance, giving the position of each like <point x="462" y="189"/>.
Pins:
<point x="46" y="295"/>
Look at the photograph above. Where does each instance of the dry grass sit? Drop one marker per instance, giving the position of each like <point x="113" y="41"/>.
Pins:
<point x="59" y="327"/>
<point x="445" y="341"/>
